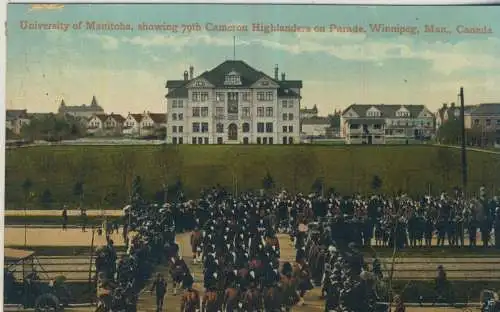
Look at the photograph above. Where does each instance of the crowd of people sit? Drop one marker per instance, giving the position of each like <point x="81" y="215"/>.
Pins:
<point x="234" y="238"/>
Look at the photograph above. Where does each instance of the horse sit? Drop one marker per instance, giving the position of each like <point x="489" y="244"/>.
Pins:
<point x="190" y="301"/>
<point x="252" y="300"/>
<point x="211" y="301"/>
<point x="196" y="244"/>
<point x="231" y="296"/>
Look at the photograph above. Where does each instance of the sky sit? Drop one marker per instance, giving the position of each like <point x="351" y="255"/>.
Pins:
<point x="127" y="69"/>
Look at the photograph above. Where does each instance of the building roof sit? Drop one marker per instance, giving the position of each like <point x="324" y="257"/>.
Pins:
<point x="136" y="117"/>
<point x="316" y="121"/>
<point x="93" y="107"/>
<point x="217" y="76"/>
<point x="387" y="110"/>
<point x="306" y="110"/>
<point x="158" y="118"/>
<point x="102" y="117"/>
<point x="486" y="109"/>
<point x="14" y="255"/>
<point x="119" y="118"/>
<point x="11" y="114"/>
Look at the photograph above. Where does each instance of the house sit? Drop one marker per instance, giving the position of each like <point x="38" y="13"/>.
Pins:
<point x="81" y="110"/>
<point x="15" y="119"/>
<point x="131" y="125"/>
<point x="95" y="124"/>
<point x="113" y="124"/>
<point x="315" y="127"/>
<point x="233" y="103"/>
<point x="152" y="122"/>
<point x="483" y="122"/>
<point x="309" y="112"/>
<point x="379" y="123"/>
<point x="452" y="112"/>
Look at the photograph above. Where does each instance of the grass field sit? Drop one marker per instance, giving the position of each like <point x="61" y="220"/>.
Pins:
<point x="107" y="171"/>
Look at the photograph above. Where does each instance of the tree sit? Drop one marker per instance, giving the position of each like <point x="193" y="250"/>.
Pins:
<point x="78" y="192"/>
<point x="268" y="182"/>
<point x="318" y="186"/>
<point x="52" y="127"/>
<point x="450" y="132"/>
<point x="376" y="183"/>
<point x="46" y="198"/>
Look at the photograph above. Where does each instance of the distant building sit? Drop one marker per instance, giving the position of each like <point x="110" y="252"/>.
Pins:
<point x="309" y="112"/>
<point x="131" y="126"/>
<point x="233" y="103"/>
<point x="105" y="125"/>
<point x="451" y="112"/>
<point x="152" y="122"/>
<point x="379" y="123"/>
<point x="315" y="126"/>
<point x="484" y="120"/>
<point x="15" y="119"/>
<point x="81" y="110"/>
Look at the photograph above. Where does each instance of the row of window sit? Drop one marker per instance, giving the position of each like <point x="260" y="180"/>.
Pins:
<point x="200" y="127"/>
<point x="199" y="96"/>
<point x="265" y="96"/>
<point x="245" y="112"/>
<point x="177" y="129"/>
<point x="177" y="116"/>
<point x="176" y="140"/>
<point x="200" y="111"/>
<point x="220" y="140"/>
<point x="487" y="122"/>
<point x="233" y="96"/>
<point x="177" y="104"/>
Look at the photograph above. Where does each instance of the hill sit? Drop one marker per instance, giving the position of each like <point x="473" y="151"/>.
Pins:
<point x="105" y="173"/>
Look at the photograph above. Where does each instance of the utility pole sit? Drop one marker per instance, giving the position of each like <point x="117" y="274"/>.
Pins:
<point x="464" y="151"/>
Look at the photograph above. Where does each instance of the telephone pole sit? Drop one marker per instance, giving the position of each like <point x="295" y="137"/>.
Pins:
<point x="464" y="151"/>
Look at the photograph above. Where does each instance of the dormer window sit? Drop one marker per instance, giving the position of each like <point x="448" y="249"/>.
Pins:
<point x="199" y="83"/>
<point x="232" y="79"/>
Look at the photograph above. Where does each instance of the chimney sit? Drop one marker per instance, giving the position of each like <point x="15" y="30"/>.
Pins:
<point x="191" y="72"/>
<point x="186" y="76"/>
<point x="283" y="76"/>
<point x="276" y="70"/>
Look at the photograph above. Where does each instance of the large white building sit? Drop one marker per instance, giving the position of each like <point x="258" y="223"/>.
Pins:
<point x="383" y="123"/>
<point x="233" y="103"/>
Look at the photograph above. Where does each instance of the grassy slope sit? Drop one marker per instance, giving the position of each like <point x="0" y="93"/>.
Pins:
<point x="107" y="171"/>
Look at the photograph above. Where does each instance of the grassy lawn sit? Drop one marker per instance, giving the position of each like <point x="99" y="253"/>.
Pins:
<point x="107" y="171"/>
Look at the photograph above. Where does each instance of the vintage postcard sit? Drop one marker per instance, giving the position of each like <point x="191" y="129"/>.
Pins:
<point x="252" y="157"/>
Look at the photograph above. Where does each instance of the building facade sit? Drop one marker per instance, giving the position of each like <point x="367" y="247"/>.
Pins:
<point x="382" y="123"/>
<point x="483" y="122"/>
<point x="15" y="119"/>
<point x="233" y="103"/>
<point x="84" y="110"/>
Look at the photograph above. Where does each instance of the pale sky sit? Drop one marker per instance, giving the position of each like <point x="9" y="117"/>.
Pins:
<point x="127" y="70"/>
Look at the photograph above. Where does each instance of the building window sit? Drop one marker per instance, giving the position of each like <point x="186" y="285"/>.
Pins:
<point x="232" y="132"/>
<point x="204" y="96"/>
<point x="206" y="140"/>
<point x="174" y="116"/>
<point x="196" y="127"/>
<point x="181" y="129"/>
<point x="174" y="140"/>
<point x="285" y="129"/>
<point x="290" y="116"/>
<point x="220" y="128"/>
<point x="284" y="140"/>
<point x="219" y="111"/>
<point x="269" y="127"/>
<point x="488" y="122"/>
<point x="196" y="112"/>
<point x="246" y="127"/>
<point x="285" y="116"/>
<point x="232" y="103"/>
<point x="180" y="103"/>
<point x="181" y="140"/>
<point x="261" y="96"/>
<point x="204" y="127"/>
<point x="174" y="129"/>
<point x="476" y="122"/>
<point x="204" y="112"/>
<point x="259" y="141"/>
<point x="260" y="127"/>
<point x="498" y="122"/>
<point x="245" y="140"/>
<point x="193" y="141"/>
<point x="245" y="112"/>
<point x="200" y="140"/>
<point x="219" y="96"/>
<point x="290" y="128"/>
<point x="271" y="141"/>
<point x="284" y="104"/>
<point x="174" y="103"/>
<point x="180" y="116"/>
<point x="264" y="140"/>
<point x="260" y="111"/>
<point x="219" y="140"/>
<point x="269" y="96"/>
<point x="196" y="97"/>
<point x="232" y="80"/>
<point x="290" y="140"/>
<point x="247" y="96"/>
<point x="269" y="112"/>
